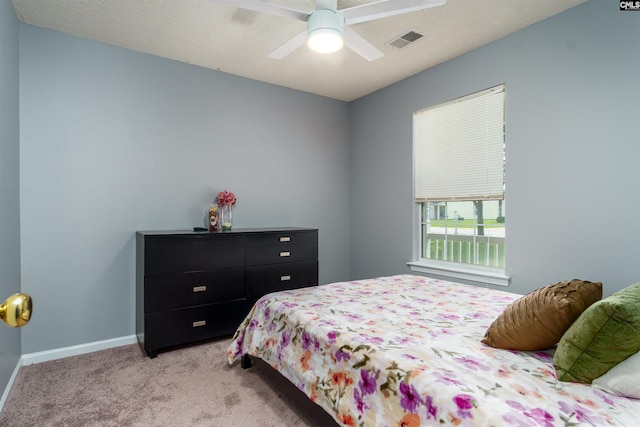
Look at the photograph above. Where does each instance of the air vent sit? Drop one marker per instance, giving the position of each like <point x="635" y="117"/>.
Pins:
<point x="405" y="39"/>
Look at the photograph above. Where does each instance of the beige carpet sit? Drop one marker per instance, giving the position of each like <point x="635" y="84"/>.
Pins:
<point x="191" y="386"/>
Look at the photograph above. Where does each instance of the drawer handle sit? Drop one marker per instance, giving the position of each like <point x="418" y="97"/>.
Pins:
<point x="202" y="288"/>
<point x="285" y="253"/>
<point x="285" y="239"/>
<point x="199" y="323"/>
<point x="285" y="278"/>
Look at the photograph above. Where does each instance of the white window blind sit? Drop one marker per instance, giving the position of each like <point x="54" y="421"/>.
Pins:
<point x="459" y="149"/>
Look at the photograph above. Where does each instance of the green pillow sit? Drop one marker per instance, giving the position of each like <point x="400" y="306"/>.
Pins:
<point x="605" y="334"/>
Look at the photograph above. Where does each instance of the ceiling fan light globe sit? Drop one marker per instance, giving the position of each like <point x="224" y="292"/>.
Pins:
<point x="325" y="40"/>
<point x="325" y="28"/>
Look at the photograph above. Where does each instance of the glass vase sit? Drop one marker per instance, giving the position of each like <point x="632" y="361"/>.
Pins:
<point x="226" y="217"/>
<point x="213" y="218"/>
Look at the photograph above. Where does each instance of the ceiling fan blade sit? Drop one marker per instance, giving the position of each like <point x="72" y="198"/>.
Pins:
<point x="266" y="7"/>
<point x="289" y="46"/>
<point x="359" y="45"/>
<point x="384" y="8"/>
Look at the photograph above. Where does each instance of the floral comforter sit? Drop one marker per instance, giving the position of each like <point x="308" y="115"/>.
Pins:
<point x="406" y="351"/>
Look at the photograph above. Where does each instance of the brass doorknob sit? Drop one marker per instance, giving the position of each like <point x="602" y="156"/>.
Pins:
<point x="16" y="310"/>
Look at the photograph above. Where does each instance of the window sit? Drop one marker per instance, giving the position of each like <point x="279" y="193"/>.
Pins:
<point x="459" y="183"/>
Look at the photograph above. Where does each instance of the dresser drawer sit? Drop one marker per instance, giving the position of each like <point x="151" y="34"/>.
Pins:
<point x="261" y="255"/>
<point x="169" y="291"/>
<point x="180" y="253"/>
<point x="174" y="327"/>
<point x="271" y="278"/>
<point x="281" y="237"/>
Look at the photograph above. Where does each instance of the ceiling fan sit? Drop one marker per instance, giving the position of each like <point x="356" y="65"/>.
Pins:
<point x="328" y="28"/>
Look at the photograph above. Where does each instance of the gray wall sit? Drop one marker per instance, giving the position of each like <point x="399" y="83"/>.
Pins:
<point x="9" y="184"/>
<point x="114" y="141"/>
<point x="573" y="144"/>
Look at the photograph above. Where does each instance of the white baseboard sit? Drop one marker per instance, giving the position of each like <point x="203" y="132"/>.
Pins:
<point x="60" y="353"/>
<point x="7" y="389"/>
<point x="75" y="350"/>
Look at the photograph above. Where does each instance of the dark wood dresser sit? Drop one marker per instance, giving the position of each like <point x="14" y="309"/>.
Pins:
<point x="192" y="286"/>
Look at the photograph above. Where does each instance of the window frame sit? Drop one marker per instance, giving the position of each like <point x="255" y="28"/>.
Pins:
<point x="451" y="269"/>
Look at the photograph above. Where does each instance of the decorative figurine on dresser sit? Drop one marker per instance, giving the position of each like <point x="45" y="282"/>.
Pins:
<point x="192" y="286"/>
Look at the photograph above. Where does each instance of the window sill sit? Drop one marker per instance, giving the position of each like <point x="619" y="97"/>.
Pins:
<point x="484" y="275"/>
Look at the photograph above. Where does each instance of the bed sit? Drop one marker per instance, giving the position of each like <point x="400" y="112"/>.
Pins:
<point x="406" y="351"/>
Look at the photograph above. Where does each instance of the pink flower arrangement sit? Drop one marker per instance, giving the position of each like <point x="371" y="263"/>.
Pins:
<point x="226" y="198"/>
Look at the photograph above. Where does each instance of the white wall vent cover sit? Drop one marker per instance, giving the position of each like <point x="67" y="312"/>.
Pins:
<point x="405" y="39"/>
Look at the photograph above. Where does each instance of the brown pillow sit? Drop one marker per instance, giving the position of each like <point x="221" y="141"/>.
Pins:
<point x="539" y="319"/>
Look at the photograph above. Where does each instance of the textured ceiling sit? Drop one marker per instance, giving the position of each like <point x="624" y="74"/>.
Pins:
<point x="237" y="41"/>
